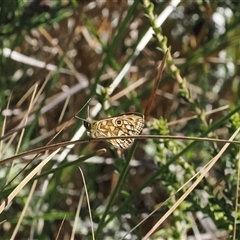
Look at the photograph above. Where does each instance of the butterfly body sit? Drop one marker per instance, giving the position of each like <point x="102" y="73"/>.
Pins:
<point x="122" y="125"/>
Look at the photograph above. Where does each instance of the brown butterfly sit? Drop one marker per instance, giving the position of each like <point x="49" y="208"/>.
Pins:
<point x="126" y="124"/>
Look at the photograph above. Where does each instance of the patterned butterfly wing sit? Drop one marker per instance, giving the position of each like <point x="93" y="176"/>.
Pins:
<point x="122" y="125"/>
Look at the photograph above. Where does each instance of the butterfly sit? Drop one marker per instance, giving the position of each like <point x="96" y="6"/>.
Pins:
<point x="126" y="124"/>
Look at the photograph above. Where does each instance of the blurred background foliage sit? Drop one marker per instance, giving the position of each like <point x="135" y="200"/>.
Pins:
<point x="71" y="51"/>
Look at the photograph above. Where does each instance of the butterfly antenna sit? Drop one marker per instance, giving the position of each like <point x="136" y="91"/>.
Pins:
<point x="88" y="113"/>
<point x="86" y="104"/>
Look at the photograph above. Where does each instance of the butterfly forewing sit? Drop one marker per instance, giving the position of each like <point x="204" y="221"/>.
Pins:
<point x="122" y="125"/>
